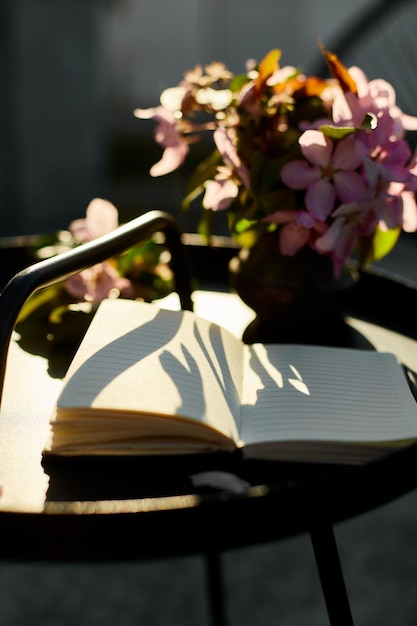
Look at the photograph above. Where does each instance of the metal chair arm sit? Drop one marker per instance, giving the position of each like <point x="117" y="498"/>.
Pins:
<point x="49" y="271"/>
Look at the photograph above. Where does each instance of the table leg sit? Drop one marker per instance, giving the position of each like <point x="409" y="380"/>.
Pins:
<point x="215" y="588"/>
<point x="331" y="575"/>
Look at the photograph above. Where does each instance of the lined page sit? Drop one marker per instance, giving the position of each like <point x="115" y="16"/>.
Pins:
<point x="329" y="394"/>
<point x="139" y="358"/>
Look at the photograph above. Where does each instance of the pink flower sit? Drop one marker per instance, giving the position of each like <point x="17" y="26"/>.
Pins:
<point x="98" y="282"/>
<point x="391" y="159"/>
<point x="409" y="217"/>
<point x="101" y="217"/>
<point x="221" y="191"/>
<point x="353" y="175"/>
<point x="298" y="229"/>
<point x="378" y="95"/>
<point x="227" y="148"/>
<point x="102" y="280"/>
<point x="351" y="221"/>
<point x="396" y="208"/>
<point x="168" y="136"/>
<point x="328" y="172"/>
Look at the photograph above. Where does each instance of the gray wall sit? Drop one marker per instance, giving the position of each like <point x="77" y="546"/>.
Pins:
<point x="73" y="71"/>
<point x="51" y="146"/>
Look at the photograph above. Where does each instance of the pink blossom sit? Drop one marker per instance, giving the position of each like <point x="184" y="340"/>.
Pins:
<point x="409" y="218"/>
<point x="102" y="280"/>
<point x="282" y="74"/>
<point x="411" y="184"/>
<point x="389" y="210"/>
<point x="227" y="147"/>
<point x="392" y="158"/>
<point x="353" y="174"/>
<point x="397" y="208"/>
<point x="250" y="101"/>
<point x="168" y="136"/>
<point x="376" y="97"/>
<point x="298" y="229"/>
<point x="98" y="282"/>
<point x="391" y="183"/>
<point x="221" y="191"/>
<point x="351" y="221"/>
<point x="101" y="217"/>
<point x="381" y="95"/>
<point x="328" y="172"/>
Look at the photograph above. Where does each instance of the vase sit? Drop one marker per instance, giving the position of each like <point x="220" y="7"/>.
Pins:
<point x="295" y="298"/>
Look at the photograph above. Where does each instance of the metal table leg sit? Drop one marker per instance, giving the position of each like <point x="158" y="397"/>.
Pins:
<point x="331" y="575"/>
<point x="215" y="588"/>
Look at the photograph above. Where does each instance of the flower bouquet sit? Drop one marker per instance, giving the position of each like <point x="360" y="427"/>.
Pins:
<point x="322" y="163"/>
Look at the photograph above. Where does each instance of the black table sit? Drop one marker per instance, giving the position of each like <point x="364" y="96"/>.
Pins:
<point x="68" y="510"/>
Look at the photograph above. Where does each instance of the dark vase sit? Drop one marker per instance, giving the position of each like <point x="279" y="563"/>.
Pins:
<point x="295" y="298"/>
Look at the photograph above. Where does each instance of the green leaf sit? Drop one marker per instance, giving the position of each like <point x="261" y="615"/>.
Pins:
<point x="369" y="122"/>
<point x="204" y="171"/>
<point x="384" y="241"/>
<point x="247" y="238"/>
<point x="189" y="198"/>
<point x="238" y="82"/>
<point x="337" y="132"/>
<point x="243" y="225"/>
<point x="39" y="299"/>
<point x="205" y="225"/>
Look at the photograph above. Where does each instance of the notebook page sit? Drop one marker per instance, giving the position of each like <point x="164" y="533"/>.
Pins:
<point x="328" y="394"/>
<point x="137" y="357"/>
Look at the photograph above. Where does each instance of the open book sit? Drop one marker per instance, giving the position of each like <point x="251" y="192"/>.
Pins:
<point x="151" y="381"/>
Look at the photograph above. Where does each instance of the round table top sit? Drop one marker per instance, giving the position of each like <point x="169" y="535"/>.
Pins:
<point x="140" y="508"/>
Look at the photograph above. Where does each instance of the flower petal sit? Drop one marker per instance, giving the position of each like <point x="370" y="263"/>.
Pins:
<point x="349" y="154"/>
<point x="316" y="147"/>
<point x="347" y="111"/>
<point x="339" y="241"/>
<point x="409" y="122"/>
<point x="409" y="212"/>
<point x="101" y="217"/>
<point x="281" y="217"/>
<point x="390" y="212"/>
<point x="298" y="174"/>
<point x="292" y="238"/>
<point x="227" y="148"/>
<point x="349" y="186"/>
<point x="172" y="98"/>
<point x="154" y="113"/>
<point x="219" y="194"/>
<point x="320" y="198"/>
<point x="173" y="157"/>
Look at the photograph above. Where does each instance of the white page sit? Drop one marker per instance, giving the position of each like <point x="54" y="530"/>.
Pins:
<point x="139" y="357"/>
<point x="315" y="393"/>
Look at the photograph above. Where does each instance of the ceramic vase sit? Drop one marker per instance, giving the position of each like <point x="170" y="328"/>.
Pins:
<point x="295" y="298"/>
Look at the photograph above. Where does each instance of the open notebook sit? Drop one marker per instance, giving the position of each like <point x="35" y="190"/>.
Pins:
<point x="151" y="381"/>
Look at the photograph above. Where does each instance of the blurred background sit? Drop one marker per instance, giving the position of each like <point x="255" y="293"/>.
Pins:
<point x="72" y="72"/>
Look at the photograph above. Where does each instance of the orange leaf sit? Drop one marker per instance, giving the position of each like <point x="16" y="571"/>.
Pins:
<point x="339" y="71"/>
<point x="315" y="86"/>
<point x="267" y="67"/>
<point x="298" y="86"/>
